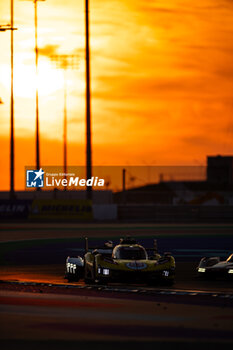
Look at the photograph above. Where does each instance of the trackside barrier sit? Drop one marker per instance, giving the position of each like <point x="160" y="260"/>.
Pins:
<point x="74" y="209"/>
<point x="14" y="209"/>
<point x="105" y="212"/>
<point x="81" y="209"/>
<point x="170" y="213"/>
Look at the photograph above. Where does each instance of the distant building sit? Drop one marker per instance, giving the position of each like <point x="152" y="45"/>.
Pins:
<point x="216" y="189"/>
<point x="220" y="170"/>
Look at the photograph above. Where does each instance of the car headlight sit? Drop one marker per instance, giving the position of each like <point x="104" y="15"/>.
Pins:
<point x="71" y="267"/>
<point x="201" y="269"/>
<point x="230" y="271"/>
<point x="106" y="272"/>
<point x="103" y="271"/>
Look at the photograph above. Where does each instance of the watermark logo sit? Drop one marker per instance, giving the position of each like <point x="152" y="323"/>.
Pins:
<point x="59" y="180"/>
<point x="35" y="178"/>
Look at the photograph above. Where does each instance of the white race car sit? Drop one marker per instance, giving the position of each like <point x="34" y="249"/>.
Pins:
<point x="214" y="268"/>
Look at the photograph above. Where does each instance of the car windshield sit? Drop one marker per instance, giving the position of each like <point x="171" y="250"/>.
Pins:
<point x="230" y="259"/>
<point x="130" y="253"/>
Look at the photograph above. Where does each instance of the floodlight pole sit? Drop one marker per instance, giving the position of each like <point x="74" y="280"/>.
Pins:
<point x="4" y="28"/>
<point x="88" y="104"/>
<point x="65" y="124"/>
<point x="12" y="153"/>
<point x="37" y="94"/>
<point x="65" y="62"/>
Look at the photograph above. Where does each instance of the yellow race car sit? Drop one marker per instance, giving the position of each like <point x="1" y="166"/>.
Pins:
<point x="128" y="262"/>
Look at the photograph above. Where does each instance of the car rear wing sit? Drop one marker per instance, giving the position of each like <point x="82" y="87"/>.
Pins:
<point x="109" y="246"/>
<point x="155" y="247"/>
<point x="106" y="247"/>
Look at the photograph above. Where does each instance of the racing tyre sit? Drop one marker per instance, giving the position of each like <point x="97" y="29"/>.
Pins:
<point x="152" y="283"/>
<point x="168" y="283"/>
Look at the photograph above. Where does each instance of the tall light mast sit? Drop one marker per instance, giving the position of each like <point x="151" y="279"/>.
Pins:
<point x="12" y="140"/>
<point x="88" y="104"/>
<point x="37" y="93"/>
<point x="65" y="62"/>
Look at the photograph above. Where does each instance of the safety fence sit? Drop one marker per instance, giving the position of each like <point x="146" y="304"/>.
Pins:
<point x="84" y="210"/>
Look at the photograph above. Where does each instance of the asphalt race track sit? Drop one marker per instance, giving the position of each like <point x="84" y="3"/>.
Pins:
<point x="40" y="310"/>
<point x="54" y="317"/>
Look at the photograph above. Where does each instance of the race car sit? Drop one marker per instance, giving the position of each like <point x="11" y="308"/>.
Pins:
<point x="214" y="268"/>
<point x="74" y="268"/>
<point x="128" y="262"/>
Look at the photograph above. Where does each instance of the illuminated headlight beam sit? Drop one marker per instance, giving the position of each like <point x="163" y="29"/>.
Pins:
<point x="201" y="269"/>
<point x="71" y="267"/>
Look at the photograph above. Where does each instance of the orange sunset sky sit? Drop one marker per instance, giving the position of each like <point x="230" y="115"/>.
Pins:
<point x="162" y="82"/>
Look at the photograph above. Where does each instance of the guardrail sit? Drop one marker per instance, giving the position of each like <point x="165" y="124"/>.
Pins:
<point x="77" y="210"/>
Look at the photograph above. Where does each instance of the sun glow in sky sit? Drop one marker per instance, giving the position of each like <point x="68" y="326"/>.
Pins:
<point x="162" y="82"/>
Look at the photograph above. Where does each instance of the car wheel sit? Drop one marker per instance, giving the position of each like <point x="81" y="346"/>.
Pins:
<point x="69" y="278"/>
<point x="168" y="283"/>
<point x="87" y="278"/>
<point x="87" y="281"/>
